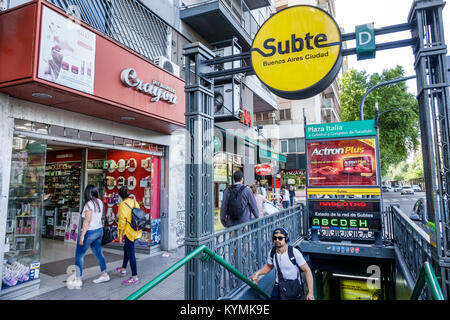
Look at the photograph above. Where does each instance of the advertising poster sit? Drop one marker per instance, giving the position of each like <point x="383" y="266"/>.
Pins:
<point x="67" y="52"/>
<point x="358" y="290"/>
<point x="345" y="219"/>
<point x="342" y="163"/>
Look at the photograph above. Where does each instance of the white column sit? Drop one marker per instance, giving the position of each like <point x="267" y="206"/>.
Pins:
<point x="6" y="134"/>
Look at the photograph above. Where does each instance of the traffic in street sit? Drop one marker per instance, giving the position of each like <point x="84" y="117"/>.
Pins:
<point x="406" y="201"/>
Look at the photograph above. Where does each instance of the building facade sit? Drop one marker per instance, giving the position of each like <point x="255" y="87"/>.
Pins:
<point x="93" y="93"/>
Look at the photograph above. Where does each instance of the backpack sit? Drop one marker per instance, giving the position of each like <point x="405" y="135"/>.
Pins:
<point x="292" y="259"/>
<point x="235" y="208"/>
<point x="138" y="218"/>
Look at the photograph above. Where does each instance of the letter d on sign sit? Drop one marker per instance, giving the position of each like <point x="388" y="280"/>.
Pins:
<point x="365" y="41"/>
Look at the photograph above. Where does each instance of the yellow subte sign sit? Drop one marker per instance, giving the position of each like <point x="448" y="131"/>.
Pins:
<point x="297" y="52"/>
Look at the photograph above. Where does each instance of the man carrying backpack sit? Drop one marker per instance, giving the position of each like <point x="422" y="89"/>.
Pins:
<point x="288" y="262"/>
<point x="238" y="203"/>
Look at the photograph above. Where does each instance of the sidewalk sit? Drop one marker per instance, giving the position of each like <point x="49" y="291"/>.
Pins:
<point x="148" y="268"/>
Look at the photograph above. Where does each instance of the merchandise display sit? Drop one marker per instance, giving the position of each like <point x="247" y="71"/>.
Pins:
<point x="133" y="171"/>
<point x="62" y="189"/>
<point x="24" y="211"/>
<point x="44" y="200"/>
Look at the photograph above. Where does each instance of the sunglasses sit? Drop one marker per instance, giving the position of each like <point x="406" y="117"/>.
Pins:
<point x="278" y="238"/>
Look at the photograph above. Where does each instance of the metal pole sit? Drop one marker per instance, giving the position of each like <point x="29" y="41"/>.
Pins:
<point x="199" y="275"/>
<point x="384" y="83"/>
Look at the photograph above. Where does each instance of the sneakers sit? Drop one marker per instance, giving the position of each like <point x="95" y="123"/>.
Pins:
<point x="74" y="284"/>
<point x="122" y="273"/>
<point x="101" y="279"/>
<point x="130" y="281"/>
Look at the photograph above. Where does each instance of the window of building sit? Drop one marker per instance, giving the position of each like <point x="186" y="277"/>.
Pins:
<point x="285" y="114"/>
<point x="283" y="146"/>
<point x="293" y="145"/>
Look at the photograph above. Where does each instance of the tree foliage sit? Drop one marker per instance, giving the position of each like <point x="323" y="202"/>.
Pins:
<point x="398" y="112"/>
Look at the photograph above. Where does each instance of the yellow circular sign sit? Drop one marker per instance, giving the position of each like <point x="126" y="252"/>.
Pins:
<point x="297" y="52"/>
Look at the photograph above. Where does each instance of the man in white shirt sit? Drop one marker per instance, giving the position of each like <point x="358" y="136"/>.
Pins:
<point x="287" y="267"/>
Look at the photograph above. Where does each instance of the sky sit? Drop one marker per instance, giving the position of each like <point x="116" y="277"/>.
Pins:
<point x="350" y="13"/>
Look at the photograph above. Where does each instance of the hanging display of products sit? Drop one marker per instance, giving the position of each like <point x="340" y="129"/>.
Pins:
<point x="137" y="172"/>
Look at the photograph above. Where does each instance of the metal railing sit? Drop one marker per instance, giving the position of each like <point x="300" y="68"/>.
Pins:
<point x="246" y="246"/>
<point x="127" y="21"/>
<point x="414" y="246"/>
<point x="427" y="276"/>
<point x="241" y="250"/>
<point x="208" y="255"/>
<point x="239" y="11"/>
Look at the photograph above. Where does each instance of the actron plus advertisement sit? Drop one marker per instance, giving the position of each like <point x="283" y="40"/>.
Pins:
<point x="342" y="163"/>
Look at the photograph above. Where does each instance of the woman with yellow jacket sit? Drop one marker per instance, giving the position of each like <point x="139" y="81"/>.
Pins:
<point x="129" y="234"/>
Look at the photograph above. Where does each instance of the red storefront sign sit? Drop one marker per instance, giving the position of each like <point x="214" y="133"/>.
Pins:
<point x="342" y="163"/>
<point x="263" y="169"/>
<point x="44" y="51"/>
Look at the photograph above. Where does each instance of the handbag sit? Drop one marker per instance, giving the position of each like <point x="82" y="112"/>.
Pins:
<point x="108" y="235"/>
<point x="289" y="289"/>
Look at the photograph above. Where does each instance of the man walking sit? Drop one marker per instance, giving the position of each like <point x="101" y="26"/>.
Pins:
<point x="287" y="261"/>
<point x="238" y="203"/>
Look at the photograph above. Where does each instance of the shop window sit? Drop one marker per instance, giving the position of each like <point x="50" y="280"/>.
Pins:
<point x="26" y="192"/>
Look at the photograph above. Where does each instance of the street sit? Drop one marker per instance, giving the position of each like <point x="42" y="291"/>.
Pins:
<point x="406" y="201"/>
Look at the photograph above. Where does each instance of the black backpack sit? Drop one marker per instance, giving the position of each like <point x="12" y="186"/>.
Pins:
<point x="235" y="208"/>
<point x="138" y="218"/>
<point x="294" y="262"/>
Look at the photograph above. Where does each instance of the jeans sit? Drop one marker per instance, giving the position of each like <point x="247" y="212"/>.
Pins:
<point x="292" y="201"/>
<point x="275" y="292"/>
<point x="93" y="239"/>
<point x="285" y="204"/>
<point x="129" y="255"/>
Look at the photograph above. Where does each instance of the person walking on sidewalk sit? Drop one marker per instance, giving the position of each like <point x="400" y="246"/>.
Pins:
<point x="292" y="195"/>
<point x="91" y="236"/>
<point x="260" y="200"/>
<point x="288" y="262"/>
<point x="284" y="197"/>
<point x="129" y="235"/>
<point x="238" y="203"/>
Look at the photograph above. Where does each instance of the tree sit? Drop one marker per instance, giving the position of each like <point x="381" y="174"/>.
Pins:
<point x="398" y="122"/>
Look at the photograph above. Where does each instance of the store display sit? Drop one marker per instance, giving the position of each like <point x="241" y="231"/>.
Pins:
<point x="132" y="165"/>
<point x="121" y="165"/>
<point x="24" y="211"/>
<point x="62" y="183"/>
<point x="112" y="166"/>
<point x="73" y="223"/>
<point x="131" y="182"/>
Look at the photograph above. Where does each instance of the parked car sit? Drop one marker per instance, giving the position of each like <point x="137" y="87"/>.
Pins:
<point x="416" y="188"/>
<point x="386" y="189"/>
<point x="407" y="190"/>
<point x="397" y="188"/>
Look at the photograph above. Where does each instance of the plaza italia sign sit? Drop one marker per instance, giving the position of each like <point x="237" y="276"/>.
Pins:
<point x="156" y="89"/>
<point x="297" y="52"/>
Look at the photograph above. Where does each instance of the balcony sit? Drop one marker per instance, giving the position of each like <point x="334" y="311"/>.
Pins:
<point x="330" y="112"/>
<point x="222" y="20"/>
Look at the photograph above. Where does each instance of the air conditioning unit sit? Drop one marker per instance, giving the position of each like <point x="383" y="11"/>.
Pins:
<point x="225" y="52"/>
<point x="227" y="102"/>
<point x="168" y="65"/>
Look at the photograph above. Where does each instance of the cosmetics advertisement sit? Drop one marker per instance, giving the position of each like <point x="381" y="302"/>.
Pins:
<point x="67" y="52"/>
<point x="342" y="163"/>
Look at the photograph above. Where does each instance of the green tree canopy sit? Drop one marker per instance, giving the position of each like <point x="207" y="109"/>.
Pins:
<point x="398" y="111"/>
